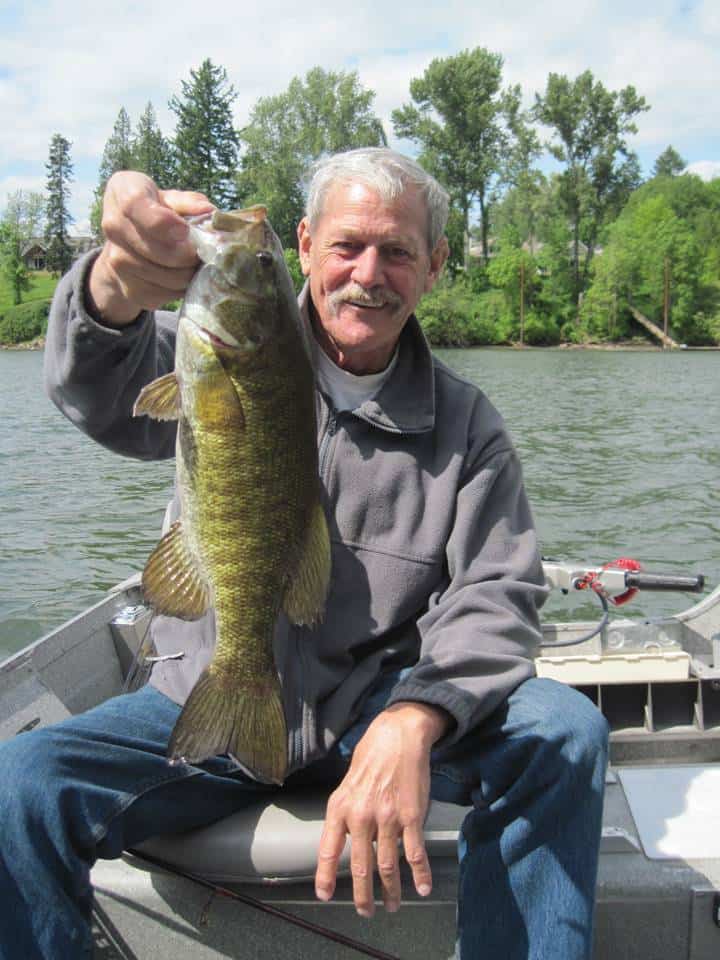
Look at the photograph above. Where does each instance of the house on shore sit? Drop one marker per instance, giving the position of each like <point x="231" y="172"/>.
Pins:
<point x="34" y="253"/>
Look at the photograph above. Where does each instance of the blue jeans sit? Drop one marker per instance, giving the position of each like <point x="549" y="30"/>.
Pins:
<point x="99" y="783"/>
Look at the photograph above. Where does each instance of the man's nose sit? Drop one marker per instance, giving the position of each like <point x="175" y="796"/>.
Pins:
<point x="368" y="267"/>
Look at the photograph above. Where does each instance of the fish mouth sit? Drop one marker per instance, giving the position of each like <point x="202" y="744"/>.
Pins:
<point x="217" y="341"/>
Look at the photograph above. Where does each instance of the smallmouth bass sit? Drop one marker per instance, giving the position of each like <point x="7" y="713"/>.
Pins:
<point x="252" y="537"/>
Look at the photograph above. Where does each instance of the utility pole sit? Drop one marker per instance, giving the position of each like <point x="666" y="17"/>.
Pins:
<point x="522" y="302"/>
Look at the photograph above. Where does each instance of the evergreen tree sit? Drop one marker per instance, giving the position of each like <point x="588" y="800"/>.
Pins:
<point x="206" y="143"/>
<point x="57" y="217"/>
<point x="118" y="152"/>
<point x="325" y="112"/>
<point x="117" y="155"/>
<point x="669" y="163"/>
<point x="151" y="152"/>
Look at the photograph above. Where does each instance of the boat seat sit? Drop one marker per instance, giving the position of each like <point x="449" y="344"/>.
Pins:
<point x="277" y="842"/>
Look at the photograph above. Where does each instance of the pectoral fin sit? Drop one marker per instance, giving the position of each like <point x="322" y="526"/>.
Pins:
<point x="304" y="599"/>
<point x="159" y="399"/>
<point x="171" y="581"/>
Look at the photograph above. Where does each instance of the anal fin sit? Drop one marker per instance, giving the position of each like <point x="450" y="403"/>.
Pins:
<point x="171" y="581"/>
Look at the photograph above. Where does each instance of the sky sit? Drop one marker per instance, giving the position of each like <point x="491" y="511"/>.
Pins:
<point x="69" y="68"/>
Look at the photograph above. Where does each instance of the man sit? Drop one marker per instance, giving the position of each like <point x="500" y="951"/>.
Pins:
<point x="418" y="682"/>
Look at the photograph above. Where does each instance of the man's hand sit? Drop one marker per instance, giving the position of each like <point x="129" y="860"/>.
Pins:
<point x="384" y="797"/>
<point x="147" y="258"/>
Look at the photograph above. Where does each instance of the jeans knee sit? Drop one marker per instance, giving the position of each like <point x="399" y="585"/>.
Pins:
<point x="29" y="782"/>
<point x="573" y="727"/>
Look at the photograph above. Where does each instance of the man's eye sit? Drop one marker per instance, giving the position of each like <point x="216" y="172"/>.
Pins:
<point x="399" y="253"/>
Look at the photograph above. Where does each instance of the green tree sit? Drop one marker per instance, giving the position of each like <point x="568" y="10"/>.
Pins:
<point x="324" y="112"/>
<point x="206" y="142"/>
<point x="151" y="152"/>
<point x="20" y="223"/>
<point x="513" y="271"/>
<point x="117" y="155"/>
<point x="669" y="163"/>
<point x="645" y="241"/>
<point x="590" y="125"/>
<point x="12" y="266"/>
<point x="57" y="216"/>
<point x="463" y="121"/>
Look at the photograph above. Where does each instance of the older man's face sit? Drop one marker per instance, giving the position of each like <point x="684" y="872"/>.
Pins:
<point x="369" y="264"/>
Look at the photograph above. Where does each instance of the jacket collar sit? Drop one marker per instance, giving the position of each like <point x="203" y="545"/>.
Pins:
<point x="406" y="402"/>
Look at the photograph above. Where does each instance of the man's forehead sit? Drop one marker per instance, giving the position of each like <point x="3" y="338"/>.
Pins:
<point x="352" y="200"/>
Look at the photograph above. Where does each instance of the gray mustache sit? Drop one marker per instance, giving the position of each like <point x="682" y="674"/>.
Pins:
<point x="357" y="294"/>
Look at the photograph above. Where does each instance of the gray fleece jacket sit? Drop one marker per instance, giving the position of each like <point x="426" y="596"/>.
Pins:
<point x="434" y="555"/>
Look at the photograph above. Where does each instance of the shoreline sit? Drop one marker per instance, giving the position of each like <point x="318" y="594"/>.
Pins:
<point x="38" y="343"/>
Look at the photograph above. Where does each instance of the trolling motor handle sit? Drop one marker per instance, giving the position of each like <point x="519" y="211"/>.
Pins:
<point x="614" y="579"/>
<point x="658" y="581"/>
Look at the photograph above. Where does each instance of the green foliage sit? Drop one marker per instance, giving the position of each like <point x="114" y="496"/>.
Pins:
<point x="12" y="265"/>
<point x="590" y="125"/>
<point x="464" y="123"/>
<point x="452" y="315"/>
<point x="146" y="150"/>
<point x="57" y="217"/>
<point x="292" y="259"/>
<point x="657" y="237"/>
<point x="669" y="163"/>
<point x="325" y="112"/>
<point x="152" y="154"/>
<point x="24" y="322"/>
<point x="206" y="142"/>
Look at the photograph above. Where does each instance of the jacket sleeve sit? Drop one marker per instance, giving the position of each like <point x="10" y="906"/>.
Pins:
<point x="94" y="374"/>
<point x="482" y="625"/>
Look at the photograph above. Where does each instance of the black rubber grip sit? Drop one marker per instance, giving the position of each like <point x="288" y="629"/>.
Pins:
<point x="657" y="581"/>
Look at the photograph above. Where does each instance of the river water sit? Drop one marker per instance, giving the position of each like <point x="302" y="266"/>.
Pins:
<point x="621" y="453"/>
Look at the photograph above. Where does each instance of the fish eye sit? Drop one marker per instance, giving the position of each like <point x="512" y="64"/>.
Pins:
<point x="264" y="257"/>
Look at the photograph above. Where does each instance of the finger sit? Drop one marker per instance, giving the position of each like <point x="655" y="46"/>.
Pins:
<point x="186" y="203"/>
<point x="362" y="863"/>
<point x="136" y="217"/>
<point x="388" y="867"/>
<point x="332" y="844"/>
<point x="135" y="275"/>
<point x="148" y="229"/>
<point x="416" y="856"/>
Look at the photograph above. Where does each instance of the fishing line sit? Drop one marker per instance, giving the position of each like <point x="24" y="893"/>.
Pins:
<point x="267" y="908"/>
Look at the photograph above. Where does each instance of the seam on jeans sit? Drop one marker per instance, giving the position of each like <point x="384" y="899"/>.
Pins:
<point x="450" y="774"/>
<point x="101" y="829"/>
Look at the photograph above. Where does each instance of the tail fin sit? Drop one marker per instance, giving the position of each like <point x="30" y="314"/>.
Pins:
<point x="247" y="724"/>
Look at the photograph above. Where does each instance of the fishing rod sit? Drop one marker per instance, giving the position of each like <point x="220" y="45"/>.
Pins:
<point x="257" y="904"/>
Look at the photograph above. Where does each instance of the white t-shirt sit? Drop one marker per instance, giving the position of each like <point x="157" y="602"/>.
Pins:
<point x="347" y="390"/>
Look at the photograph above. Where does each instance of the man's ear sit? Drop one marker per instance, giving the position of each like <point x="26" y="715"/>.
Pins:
<point x="304" y="244"/>
<point x="437" y="262"/>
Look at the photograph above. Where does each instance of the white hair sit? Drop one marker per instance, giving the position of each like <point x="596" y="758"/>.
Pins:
<point x="386" y="172"/>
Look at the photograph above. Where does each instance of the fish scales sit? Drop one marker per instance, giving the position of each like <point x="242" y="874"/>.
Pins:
<point x="252" y="537"/>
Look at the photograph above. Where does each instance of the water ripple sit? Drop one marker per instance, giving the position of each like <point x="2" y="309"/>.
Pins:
<point x="621" y="454"/>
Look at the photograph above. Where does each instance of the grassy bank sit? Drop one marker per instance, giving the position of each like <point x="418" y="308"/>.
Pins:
<point x="42" y="288"/>
<point x="22" y="324"/>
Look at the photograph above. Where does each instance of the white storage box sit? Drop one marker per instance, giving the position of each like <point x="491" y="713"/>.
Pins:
<point x="615" y="668"/>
